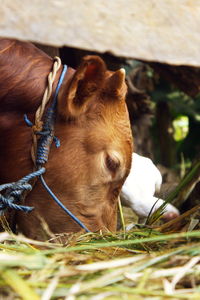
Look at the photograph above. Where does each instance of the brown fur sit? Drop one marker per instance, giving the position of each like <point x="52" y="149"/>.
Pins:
<point x="88" y="170"/>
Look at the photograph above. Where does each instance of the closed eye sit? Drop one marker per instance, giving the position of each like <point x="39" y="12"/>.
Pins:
<point x="112" y="164"/>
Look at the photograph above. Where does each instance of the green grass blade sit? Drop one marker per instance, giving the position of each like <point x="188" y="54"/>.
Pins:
<point x="19" y="285"/>
<point x="160" y="238"/>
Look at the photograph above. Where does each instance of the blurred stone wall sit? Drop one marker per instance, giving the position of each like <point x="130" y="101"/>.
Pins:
<point x="152" y="30"/>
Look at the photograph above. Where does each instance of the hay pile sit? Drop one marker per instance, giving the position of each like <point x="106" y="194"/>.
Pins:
<point x="141" y="264"/>
<point x="150" y="262"/>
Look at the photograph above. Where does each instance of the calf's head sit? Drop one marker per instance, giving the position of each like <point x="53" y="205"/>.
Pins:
<point x="94" y="159"/>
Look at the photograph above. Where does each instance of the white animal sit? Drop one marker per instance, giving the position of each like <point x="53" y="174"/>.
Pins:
<point x="140" y="186"/>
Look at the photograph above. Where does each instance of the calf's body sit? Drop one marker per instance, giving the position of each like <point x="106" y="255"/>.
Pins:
<point x="89" y="168"/>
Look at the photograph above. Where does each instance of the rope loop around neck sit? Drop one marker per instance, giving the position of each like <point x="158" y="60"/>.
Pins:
<point x="38" y="126"/>
<point x="47" y="94"/>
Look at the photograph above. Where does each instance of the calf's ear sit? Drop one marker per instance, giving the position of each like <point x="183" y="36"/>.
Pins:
<point x="86" y="81"/>
<point x="115" y="85"/>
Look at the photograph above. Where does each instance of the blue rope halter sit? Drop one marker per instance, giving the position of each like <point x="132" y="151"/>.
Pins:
<point x="13" y="191"/>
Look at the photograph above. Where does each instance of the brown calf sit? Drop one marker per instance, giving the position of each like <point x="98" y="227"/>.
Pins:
<point x="89" y="168"/>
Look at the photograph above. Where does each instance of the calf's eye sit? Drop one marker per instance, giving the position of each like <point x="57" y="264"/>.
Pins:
<point x="112" y="164"/>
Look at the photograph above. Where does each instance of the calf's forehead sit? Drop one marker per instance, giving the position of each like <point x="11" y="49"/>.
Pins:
<point x="110" y="136"/>
<point x="116" y="119"/>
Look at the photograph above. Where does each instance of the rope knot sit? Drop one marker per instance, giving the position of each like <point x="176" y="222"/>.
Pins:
<point x="37" y="127"/>
<point x="13" y="192"/>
